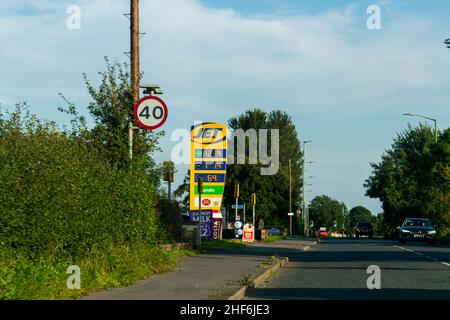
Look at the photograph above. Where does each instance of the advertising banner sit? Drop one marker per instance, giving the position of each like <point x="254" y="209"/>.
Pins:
<point x="206" y="222"/>
<point x="249" y="233"/>
<point x="208" y="161"/>
<point x="217" y="228"/>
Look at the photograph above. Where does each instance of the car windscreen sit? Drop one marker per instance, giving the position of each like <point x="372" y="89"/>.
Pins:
<point x="417" y="223"/>
<point x="364" y="225"/>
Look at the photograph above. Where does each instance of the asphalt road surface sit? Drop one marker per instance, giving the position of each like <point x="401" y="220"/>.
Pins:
<point x="336" y="269"/>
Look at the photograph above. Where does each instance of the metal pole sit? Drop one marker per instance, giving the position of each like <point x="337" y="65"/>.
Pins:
<point x="169" y="191"/>
<point x="290" y="198"/>
<point x="236" y="212"/>
<point x="303" y="190"/>
<point x="199" y="219"/>
<point x="244" y="214"/>
<point x="130" y="141"/>
<point x="435" y="131"/>
<point x="254" y="216"/>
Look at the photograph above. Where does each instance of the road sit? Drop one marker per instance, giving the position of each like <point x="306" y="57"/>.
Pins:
<point x="336" y="268"/>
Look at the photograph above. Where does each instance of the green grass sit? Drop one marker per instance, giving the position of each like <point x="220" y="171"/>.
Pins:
<point x="222" y="244"/>
<point x="277" y="237"/>
<point x="444" y="239"/>
<point x="46" y="278"/>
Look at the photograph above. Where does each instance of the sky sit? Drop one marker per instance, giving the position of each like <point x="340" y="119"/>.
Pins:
<point x="345" y="86"/>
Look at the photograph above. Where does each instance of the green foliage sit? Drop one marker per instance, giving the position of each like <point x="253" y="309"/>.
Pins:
<point x="324" y="210"/>
<point x="182" y="192"/>
<point x="169" y="213"/>
<point x="45" y="278"/>
<point x="112" y="110"/>
<point x="413" y="178"/>
<point x="59" y="196"/>
<point x="359" y="213"/>
<point x="272" y="191"/>
<point x="73" y="197"/>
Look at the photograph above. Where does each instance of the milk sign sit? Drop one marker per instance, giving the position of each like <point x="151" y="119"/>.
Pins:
<point x="206" y="222"/>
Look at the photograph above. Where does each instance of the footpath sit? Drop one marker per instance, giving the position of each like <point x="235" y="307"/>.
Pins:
<point x="218" y="274"/>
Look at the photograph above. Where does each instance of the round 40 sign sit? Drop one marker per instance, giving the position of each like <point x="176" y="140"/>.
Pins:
<point x="150" y="112"/>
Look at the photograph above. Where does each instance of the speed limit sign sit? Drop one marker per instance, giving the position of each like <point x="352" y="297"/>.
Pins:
<point x="150" y="112"/>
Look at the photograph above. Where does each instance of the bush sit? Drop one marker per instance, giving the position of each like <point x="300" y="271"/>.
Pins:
<point x="59" y="197"/>
<point x="169" y="213"/>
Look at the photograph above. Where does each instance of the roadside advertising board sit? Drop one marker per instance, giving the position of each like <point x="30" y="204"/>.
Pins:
<point x="249" y="233"/>
<point x="208" y="161"/>
<point x="206" y="222"/>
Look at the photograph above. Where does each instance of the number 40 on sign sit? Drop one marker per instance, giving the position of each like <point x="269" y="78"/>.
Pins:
<point x="150" y="112"/>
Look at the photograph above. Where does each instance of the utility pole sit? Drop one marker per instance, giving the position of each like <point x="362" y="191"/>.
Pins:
<point x="253" y="204"/>
<point x="305" y="214"/>
<point x="134" y="35"/>
<point x="200" y="191"/>
<point x="236" y="195"/>
<point x="290" y="198"/>
<point x="134" y="64"/>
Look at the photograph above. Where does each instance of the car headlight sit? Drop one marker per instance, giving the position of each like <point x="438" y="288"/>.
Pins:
<point x="405" y="231"/>
<point x="432" y="232"/>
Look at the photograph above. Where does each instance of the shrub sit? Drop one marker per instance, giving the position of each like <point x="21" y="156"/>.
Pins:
<point x="59" y="197"/>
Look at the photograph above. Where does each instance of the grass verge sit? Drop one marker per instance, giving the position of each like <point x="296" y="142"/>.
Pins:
<point x="46" y="279"/>
<point x="444" y="239"/>
<point x="279" y="237"/>
<point x="222" y="244"/>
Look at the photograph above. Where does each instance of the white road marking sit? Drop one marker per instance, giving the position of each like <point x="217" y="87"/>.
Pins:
<point x="421" y="254"/>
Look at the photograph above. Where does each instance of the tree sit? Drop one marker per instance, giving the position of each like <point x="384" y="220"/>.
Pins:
<point x="112" y="110"/>
<point x="272" y="191"/>
<point x="182" y="192"/>
<point x="413" y="178"/>
<point x="359" y="213"/>
<point x="324" y="211"/>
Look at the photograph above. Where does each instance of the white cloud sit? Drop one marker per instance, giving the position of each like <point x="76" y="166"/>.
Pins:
<point x="213" y="63"/>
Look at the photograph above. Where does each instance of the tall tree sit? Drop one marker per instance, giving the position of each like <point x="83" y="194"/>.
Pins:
<point x="111" y="108"/>
<point x="413" y="178"/>
<point x="359" y="213"/>
<point x="324" y="210"/>
<point x="272" y="190"/>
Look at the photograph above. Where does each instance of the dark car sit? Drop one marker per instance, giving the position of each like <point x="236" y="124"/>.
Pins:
<point x="364" y="229"/>
<point x="417" y="229"/>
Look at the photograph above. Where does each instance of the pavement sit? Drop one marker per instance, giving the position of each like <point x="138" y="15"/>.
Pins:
<point x="215" y="275"/>
<point x="336" y="269"/>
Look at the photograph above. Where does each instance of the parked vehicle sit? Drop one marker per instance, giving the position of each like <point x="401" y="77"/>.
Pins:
<point x="417" y="229"/>
<point x="323" y="232"/>
<point x="364" y="229"/>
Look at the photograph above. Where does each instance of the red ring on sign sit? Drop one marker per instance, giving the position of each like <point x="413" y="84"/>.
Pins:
<point x="140" y="123"/>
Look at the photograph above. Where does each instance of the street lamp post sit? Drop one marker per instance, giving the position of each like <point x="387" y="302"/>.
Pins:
<point x="305" y="218"/>
<point x="434" y="120"/>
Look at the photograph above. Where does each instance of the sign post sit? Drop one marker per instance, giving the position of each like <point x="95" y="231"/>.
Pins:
<point x="236" y="195"/>
<point x="253" y="205"/>
<point x="200" y="191"/>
